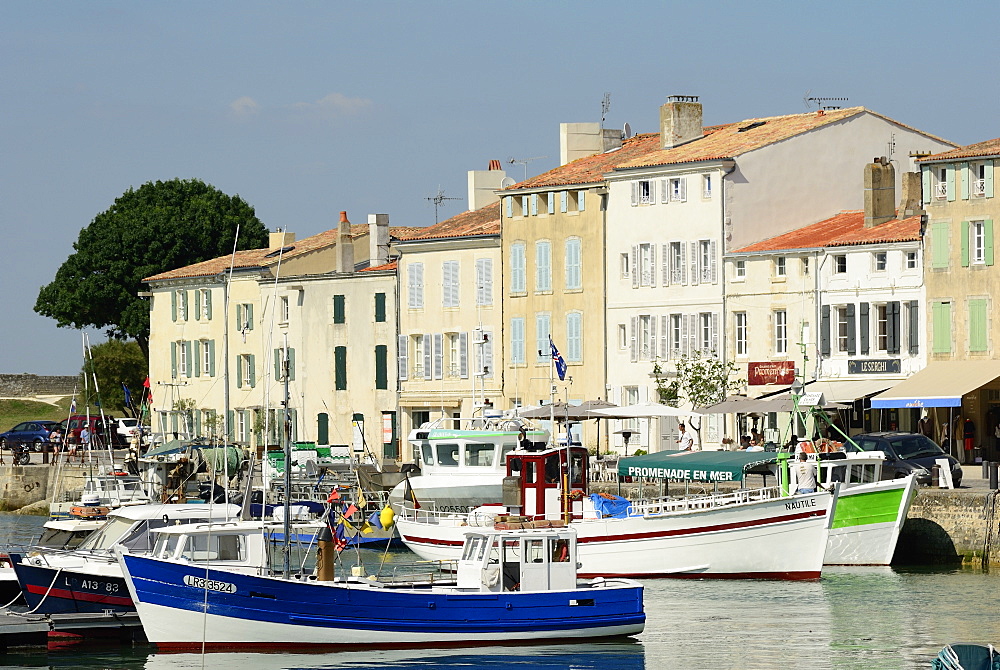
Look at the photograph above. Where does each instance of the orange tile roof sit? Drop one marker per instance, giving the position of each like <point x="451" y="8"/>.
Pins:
<point x="391" y="265"/>
<point x="844" y="229"/>
<point x="482" y="221"/>
<point x="987" y="148"/>
<point x="258" y="258"/>
<point x="591" y="169"/>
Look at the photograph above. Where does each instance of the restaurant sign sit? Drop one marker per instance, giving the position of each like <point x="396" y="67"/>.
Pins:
<point x="873" y="366"/>
<point x="770" y="372"/>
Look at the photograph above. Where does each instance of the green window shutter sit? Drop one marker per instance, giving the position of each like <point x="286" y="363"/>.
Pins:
<point x="291" y="364"/>
<point x="939" y="245"/>
<point x="988" y="235"/>
<point x="197" y="305"/>
<point x="966" y="175"/>
<point x="338" y="309"/>
<point x="211" y="358"/>
<point x="977" y="325"/>
<point x="173" y="360"/>
<point x="340" y="368"/>
<point x="208" y="303"/>
<point x="942" y="328"/>
<point x="322" y="428"/>
<point x="239" y="373"/>
<point x="252" y="363"/>
<point x="381" y="367"/>
<point x="249" y="314"/>
<point x="277" y="365"/>
<point x="173" y="305"/>
<point x="950" y="181"/>
<point x="379" y="307"/>
<point x="196" y="361"/>
<point x="230" y="424"/>
<point x="965" y="244"/>
<point x="928" y="193"/>
<point x="239" y="317"/>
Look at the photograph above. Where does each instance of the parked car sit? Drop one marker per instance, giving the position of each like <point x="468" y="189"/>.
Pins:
<point x="906" y="453"/>
<point x="33" y="433"/>
<point x="98" y="433"/>
<point x="128" y="427"/>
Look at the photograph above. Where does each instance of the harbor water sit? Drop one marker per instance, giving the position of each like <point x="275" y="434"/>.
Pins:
<point x="860" y="618"/>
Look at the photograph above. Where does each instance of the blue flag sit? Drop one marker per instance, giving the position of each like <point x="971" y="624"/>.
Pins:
<point x="128" y="396"/>
<point x="375" y="519"/>
<point x="559" y="361"/>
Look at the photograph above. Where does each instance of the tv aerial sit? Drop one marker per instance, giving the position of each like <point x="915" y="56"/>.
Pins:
<point x="821" y="102"/>
<point x="627" y="131"/>
<point x="438" y="200"/>
<point x="605" y="107"/>
<point x="524" y="162"/>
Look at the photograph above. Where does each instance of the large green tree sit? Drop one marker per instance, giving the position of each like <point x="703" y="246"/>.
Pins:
<point x="157" y="227"/>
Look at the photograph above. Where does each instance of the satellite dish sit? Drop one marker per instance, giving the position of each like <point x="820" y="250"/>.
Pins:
<point x="627" y="131"/>
<point x="507" y="182"/>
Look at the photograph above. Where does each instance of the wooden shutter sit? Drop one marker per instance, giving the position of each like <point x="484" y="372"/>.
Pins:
<point x="463" y="355"/>
<point x="322" y="428"/>
<point x="713" y="260"/>
<point x="652" y="263"/>
<point x="340" y="368"/>
<point x="716" y="349"/>
<point x="563" y="201"/>
<point x="196" y="358"/>
<point x="863" y="326"/>
<point x="173" y="360"/>
<point x="581" y="202"/>
<point x="695" y="263"/>
<point x="665" y="254"/>
<point x="173" y="305"/>
<point x="402" y="357"/>
<point x="487" y="361"/>
<point x="251" y="368"/>
<point x="928" y="192"/>
<point x="211" y="358"/>
<point x="965" y="244"/>
<point x="380" y="307"/>
<point x="892" y="326"/>
<point x="635" y="266"/>
<point x="438" y="355"/>
<point x="964" y="176"/>
<point x="988" y="179"/>
<point x="381" y="367"/>
<point x="988" y="241"/>
<point x="950" y="182"/>
<point x="824" y="331"/>
<point x="635" y="193"/>
<point x="664" y="191"/>
<point x="851" y="331"/>
<point x="208" y="303"/>
<point x="914" y="327"/>
<point x="291" y="364"/>
<point x="664" y="337"/>
<point x="633" y="343"/>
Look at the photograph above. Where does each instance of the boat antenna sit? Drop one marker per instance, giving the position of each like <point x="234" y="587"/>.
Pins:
<point x="226" y="428"/>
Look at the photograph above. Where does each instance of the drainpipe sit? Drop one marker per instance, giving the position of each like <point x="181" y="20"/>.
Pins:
<point x="728" y="168"/>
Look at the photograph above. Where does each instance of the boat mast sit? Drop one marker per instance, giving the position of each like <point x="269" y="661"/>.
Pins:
<point x="286" y="549"/>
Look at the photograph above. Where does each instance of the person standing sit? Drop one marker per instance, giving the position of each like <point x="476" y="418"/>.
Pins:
<point x="684" y="439"/>
<point x="55" y="440"/>
<point x="805" y="475"/>
<point x="85" y="438"/>
<point x="969" y="438"/>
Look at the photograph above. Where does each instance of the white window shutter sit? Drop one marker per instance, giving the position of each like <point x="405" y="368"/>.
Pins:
<point x="438" y="355"/>
<point x="684" y="189"/>
<point x="652" y="338"/>
<point x="713" y="248"/>
<point x="633" y="343"/>
<point x="563" y="201"/>
<point x="695" y="265"/>
<point x="635" y="193"/>
<point x="683" y="262"/>
<point x="715" y="334"/>
<point x="428" y="354"/>
<point x="652" y="191"/>
<point x="402" y="351"/>
<point x="635" y="267"/>
<point x="419" y="275"/>
<point x="652" y="263"/>
<point x="463" y="355"/>
<point x="692" y="333"/>
<point x="664" y="337"/>
<point x="664" y="191"/>
<point x="551" y="197"/>
<point x="665" y="252"/>
<point x="685" y="336"/>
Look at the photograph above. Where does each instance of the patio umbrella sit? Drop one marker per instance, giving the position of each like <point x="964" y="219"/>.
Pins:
<point x="734" y="404"/>
<point x="644" y="410"/>
<point x="559" y="409"/>
<point x="585" y="410"/>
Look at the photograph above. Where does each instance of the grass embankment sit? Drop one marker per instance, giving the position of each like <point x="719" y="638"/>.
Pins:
<point x="13" y="412"/>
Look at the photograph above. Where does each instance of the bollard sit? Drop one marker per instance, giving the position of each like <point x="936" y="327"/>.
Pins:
<point x="935" y="475"/>
<point x="993" y="475"/>
<point x="986" y="469"/>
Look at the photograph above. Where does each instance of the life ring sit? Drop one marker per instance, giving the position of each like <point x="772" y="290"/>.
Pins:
<point x="575" y="494"/>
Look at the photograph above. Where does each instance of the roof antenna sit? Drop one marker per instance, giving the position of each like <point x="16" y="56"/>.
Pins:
<point x="438" y="200"/>
<point x="820" y="102"/>
<point x="524" y="162"/>
<point x="605" y="106"/>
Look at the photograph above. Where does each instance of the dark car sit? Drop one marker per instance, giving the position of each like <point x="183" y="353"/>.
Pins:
<point x="906" y="453"/>
<point x="33" y="433"/>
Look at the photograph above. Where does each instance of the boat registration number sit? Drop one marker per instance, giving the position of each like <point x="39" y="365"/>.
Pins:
<point x="210" y="584"/>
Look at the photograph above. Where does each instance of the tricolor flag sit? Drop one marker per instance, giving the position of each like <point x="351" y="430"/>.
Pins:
<point x="558" y="359"/>
<point x="409" y="495"/>
<point x="72" y="407"/>
<point x="339" y="538"/>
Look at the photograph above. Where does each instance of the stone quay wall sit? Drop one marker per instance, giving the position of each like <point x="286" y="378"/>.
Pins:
<point x="27" y="386"/>
<point x="951" y="526"/>
<point x="24" y="485"/>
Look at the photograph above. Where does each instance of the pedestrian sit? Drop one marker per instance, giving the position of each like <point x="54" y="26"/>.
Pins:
<point x="744" y="442"/>
<point x="805" y="475"/>
<point x="793" y="444"/>
<point x="55" y="440"/>
<point x="85" y="438"/>
<point x="684" y="438"/>
<point x="969" y="438"/>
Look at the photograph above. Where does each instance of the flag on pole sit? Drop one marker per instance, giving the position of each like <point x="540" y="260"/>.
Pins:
<point x="409" y="495"/>
<point x="559" y="361"/>
<point x="374" y="519"/>
<point x="72" y="407"/>
<point x="361" y="498"/>
<point x="339" y="538"/>
<point x="349" y="510"/>
<point x="128" y="396"/>
<point x="334" y="495"/>
<point x="149" y="391"/>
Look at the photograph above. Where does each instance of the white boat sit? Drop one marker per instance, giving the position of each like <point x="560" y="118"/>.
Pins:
<point x="462" y="468"/>
<point x="749" y="533"/>
<point x="509" y="587"/>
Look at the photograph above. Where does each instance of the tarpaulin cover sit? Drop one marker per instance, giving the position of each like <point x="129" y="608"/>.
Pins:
<point x="608" y="505"/>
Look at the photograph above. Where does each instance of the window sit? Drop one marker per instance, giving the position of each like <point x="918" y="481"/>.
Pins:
<point x="678" y="189"/>
<point x="740" y="269"/>
<point x="623" y="264"/>
<point x="517" y="341"/>
<point x="880" y="261"/>
<point x="242" y="426"/>
<point x="204" y="308"/>
<point x="379" y="307"/>
<point x="484" y="281"/>
<point x="339" y="309"/>
<point x="183" y="359"/>
<point x="977" y="242"/>
<point x="706" y="186"/>
<point x="881" y="328"/>
<point x="941" y="323"/>
<point x="780" y="332"/>
<point x="978" y="325"/>
<point x="978" y="179"/>
<point x="740" y="333"/>
<point x="706" y="262"/>
<point x="840" y="264"/>
<point x="706" y="339"/>
<point x="843" y="330"/>
<point x="518" y="282"/>
<point x="542" y="333"/>
<point x="805" y="265"/>
<point x="574" y="337"/>
<point x="645" y="262"/>
<point x="780" y="267"/>
<point x="646" y="337"/>
<point x="415" y="285"/>
<point x="279" y="363"/>
<point x="244" y="317"/>
<point x="676" y="333"/>
<point x="543" y="267"/>
<point x="208" y="357"/>
<point x="622" y="337"/>
<point x="911" y="260"/>
<point x="645" y="192"/>
<point x="574" y="278"/>
<point x="245" y="371"/>
<point x="284" y="309"/>
<point x="419" y="341"/>
<point x="678" y="267"/>
<point x="941" y="185"/>
<point x="449" y="284"/>
<point x="454" y="357"/>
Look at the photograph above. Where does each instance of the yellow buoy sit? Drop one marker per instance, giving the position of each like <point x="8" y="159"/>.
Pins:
<point x="386" y="516"/>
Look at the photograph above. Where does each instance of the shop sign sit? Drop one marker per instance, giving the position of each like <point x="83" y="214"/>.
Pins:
<point x="770" y="372"/>
<point x="883" y="366"/>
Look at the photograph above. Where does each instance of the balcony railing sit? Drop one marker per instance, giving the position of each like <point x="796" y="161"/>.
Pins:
<point x="979" y="188"/>
<point x="941" y="190"/>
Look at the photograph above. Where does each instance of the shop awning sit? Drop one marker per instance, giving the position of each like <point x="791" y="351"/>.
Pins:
<point x="940" y="384"/>
<point x="705" y="466"/>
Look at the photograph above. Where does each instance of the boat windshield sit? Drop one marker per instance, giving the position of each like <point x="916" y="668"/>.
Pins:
<point x="447" y="455"/>
<point x="480" y="455"/>
<point x="55" y="538"/>
<point x="107" y="535"/>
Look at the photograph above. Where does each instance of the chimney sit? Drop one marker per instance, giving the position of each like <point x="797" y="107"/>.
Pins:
<point x="912" y="198"/>
<point x="880" y="192"/>
<point x="345" y="246"/>
<point x="680" y="121"/>
<point x="279" y="239"/>
<point x="378" y="239"/>
<point x="579" y="140"/>
<point x="483" y="183"/>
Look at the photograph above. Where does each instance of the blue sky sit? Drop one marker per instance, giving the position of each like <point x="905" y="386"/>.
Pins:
<point x="308" y="108"/>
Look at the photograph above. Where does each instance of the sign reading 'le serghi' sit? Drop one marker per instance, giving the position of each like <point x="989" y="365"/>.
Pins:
<point x="878" y="366"/>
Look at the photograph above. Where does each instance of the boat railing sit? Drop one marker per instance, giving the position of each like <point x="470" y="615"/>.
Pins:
<point x="672" y="505"/>
<point x="424" y="572"/>
<point x="432" y="515"/>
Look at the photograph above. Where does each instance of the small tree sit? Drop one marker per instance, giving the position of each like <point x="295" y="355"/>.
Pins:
<point x="704" y="380"/>
<point x="114" y="363"/>
<point x="667" y="392"/>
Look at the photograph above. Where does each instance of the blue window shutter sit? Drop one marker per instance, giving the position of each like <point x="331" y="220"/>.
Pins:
<point x="863" y="326"/>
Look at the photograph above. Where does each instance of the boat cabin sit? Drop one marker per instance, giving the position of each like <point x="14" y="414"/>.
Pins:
<point x="518" y="560"/>
<point x="547" y="484"/>
<point x="474" y="447"/>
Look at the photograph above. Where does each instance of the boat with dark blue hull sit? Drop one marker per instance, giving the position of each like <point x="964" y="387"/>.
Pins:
<point x="510" y="587"/>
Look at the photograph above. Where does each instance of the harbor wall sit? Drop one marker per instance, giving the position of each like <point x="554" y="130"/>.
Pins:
<point x="24" y="485"/>
<point x="950" y="526"/>
<point x="27" y="385"/>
